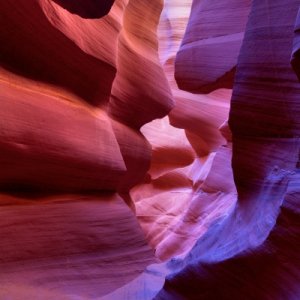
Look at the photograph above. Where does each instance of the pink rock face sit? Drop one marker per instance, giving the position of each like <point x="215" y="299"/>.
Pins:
<point x="61" y="246"/>
<point x="181" y="197"/>
<point x="208" y="54"/>
<point x="202" y="116"/>
<point x="61" y="130"/>
<point x="118" y="182"/>
<point x="45" y="140"/>
<point x="251" y="253"/>
<point x="59" y="88"/>
<point x="35" y="31"/>
<point x="141" y="95"/>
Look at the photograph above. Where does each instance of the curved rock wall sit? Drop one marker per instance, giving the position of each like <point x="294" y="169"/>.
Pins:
<point x="62" y="132"/>
<point x="208" y="53"/>
<point x="96" y="135"/>
<point x="59" y="88"/>
<point x="251" y="253"/>
<point x="181" y="195"/>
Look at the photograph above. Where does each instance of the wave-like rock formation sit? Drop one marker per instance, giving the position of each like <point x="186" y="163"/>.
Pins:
<point x="149" y="150"/>
<point x="61" y="246"/>
<point x="207" y="56"/>
<point x="63" y="80"/>
<point x="251" y="253"/>
<point x="64" y="129"/>
<point x="181" y="197"/>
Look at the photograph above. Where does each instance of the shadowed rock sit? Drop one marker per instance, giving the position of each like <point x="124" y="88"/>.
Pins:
<point x="89" y="9"/>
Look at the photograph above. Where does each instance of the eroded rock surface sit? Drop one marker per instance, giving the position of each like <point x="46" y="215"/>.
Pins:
<point x="61" y="246"/>
<point x="118" y="182"/>
<point x="61" y="76"/>
<point x="208" y="53"/>
<point x="61" y="69"/>
<point x="251" y="253"/>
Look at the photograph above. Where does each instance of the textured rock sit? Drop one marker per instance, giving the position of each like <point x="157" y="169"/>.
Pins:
<point x="296" y="47"/>
<point x="265" y="96"/>
<point x="46" y="140"/>
<point x="202" y="116"/>
<point x="180" y="197"/>
<point x="251" y="252"/>
<point x="208" y="54"/>
<point x="61" y="130"/>
<point x="70" y="63"/>
<point x="268" y="271"/>
<point x="40" y="44"/>
<point x="64" y="246"/>
<point x="136" y="153"/>
<point x="173" y="20"/>
<point x="141" y="95"/>
<point x="82" y="84"/>
<point x="183" y="193"/>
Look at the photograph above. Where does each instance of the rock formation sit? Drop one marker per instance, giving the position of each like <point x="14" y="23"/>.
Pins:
<point x="149" y="149"/>
<point x="64" y="130"/>
<point x="207" y="56"/>
<point x="251" y="253"/>
<point x="61" y="246"/>
<point x="52" y="71"/>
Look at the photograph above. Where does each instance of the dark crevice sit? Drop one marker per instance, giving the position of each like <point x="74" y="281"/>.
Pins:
<point x="88" y="9"/>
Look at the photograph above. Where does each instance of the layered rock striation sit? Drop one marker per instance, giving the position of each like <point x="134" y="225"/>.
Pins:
<point x="208" y="53"/>
<point x="64" y="79"/>
<point x="70" y="151"/>
<point x="251" y="253"/>
<point x="121" y="177"/>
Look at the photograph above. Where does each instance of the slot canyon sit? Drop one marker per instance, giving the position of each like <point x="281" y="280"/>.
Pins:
<point x="149" y="149"/>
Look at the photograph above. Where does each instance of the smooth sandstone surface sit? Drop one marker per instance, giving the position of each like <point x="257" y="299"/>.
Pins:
<point x="60" y="133"/>
<point x="140" y="92"/>
<point x="61" y="246"/>
<point x="251" y="253"/>
<point x="183" y="193"/>
<point x="209" y="50"/>
<point x="118" y="182"/>
<point x="175" y="204"/>
<point x="60" y="65"/>
<point x="45" y="140"/>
